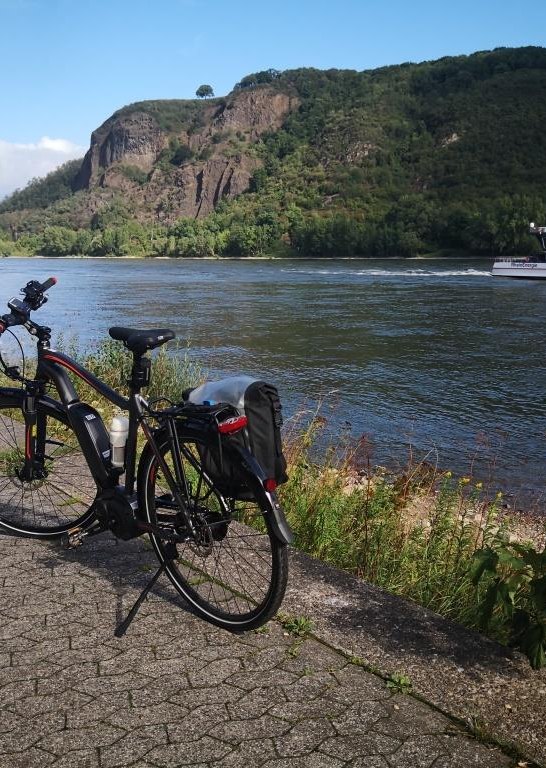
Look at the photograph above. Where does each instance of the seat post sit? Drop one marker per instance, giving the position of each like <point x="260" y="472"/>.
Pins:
<point x="140" y="372"/>
<point x="140" y="377"/>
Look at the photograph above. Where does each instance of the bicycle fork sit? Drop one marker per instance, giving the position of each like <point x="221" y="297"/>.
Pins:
<point x="35" y="434"/>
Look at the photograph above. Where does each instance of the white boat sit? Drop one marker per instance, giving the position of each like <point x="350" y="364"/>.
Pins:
<point x="531" y="268"/>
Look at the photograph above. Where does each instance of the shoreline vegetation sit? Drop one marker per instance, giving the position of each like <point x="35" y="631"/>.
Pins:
<point x="263" y="257"/>
<point x="445" y="542"/>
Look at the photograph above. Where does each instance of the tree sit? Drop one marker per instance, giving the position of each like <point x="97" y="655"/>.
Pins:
<point x="204" y="92"/>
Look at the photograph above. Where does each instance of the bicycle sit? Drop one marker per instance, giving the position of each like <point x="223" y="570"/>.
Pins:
<point x="227" y="558"/>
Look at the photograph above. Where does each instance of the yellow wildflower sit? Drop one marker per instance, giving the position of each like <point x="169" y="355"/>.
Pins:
<point x="479" y="486"/>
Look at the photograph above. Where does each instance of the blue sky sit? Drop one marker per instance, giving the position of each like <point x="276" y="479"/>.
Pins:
<point x="68" y="64"/>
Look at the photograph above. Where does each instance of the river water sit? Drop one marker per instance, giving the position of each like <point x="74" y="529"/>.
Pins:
<point x="435" y="353"/>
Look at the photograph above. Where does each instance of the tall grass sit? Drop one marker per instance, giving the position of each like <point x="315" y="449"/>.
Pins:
<point x="415" y="535"/>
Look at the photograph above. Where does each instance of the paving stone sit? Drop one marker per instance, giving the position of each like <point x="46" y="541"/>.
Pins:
<point x="300" y="710"/>
<point x="99" y="709"/>
<point x="205" y="719"/>
<point x="220" y="694"/>
<point x="100" y="735"/>
<point x="315" y="760"/>
<point x="304" y="737"/>
<point x="189" y="753"/>
<point x="175" y="691"/>
<point x="255" y="703"/>
<point x="29" y="758"/>
<point x="213" y="673"/>
<point x="31" y="706"/>
<point x="242" y="730"/>
<point x="349" y="747"/>
<point x="468" y="753"/>
<point x="29" y="732"/>
<point x="360" y="717"/>
<point x="418" y="752"/>
<point x="81" y="758"/>
<point x="134" y="718"/>
<point x="248" y="753"/>
<point x="132" y="747"/>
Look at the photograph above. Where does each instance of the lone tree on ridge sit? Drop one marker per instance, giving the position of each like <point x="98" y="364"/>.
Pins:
<point x="204" y="92"/>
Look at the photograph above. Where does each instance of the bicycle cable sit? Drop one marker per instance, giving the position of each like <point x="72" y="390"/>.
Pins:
<point x="13" y="372"/>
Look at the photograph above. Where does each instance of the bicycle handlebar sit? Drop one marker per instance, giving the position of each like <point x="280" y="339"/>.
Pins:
<point x="34" y="298"/>
<point x="49" y="283"/>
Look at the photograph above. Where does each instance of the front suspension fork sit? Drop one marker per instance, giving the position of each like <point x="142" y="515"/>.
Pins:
<point x="35" y="437"/>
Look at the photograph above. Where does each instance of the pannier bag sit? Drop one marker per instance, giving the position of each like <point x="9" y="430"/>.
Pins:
<point x="260" y="403"/>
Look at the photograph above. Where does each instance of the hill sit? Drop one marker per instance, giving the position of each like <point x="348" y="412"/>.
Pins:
<point x="401" y="160"/>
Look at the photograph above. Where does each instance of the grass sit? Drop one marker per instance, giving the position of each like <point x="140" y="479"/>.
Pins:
<point x="415" y="535"/>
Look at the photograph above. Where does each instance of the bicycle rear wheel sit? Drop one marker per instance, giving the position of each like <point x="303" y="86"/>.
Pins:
<point x="59" y="500"/>
<point x="235" y="575"/>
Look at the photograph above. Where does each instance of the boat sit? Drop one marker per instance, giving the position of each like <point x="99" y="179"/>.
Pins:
<point x="530" y="268"/>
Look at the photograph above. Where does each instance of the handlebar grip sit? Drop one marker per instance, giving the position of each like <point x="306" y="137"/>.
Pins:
<point x="49" y="283"/>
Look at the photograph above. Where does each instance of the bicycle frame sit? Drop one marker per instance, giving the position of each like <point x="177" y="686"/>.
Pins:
<point x="54" y="366"/>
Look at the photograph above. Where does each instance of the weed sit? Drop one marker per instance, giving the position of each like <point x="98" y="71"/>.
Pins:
<point x="298" y="626"/>
<point x="399" y="683"/>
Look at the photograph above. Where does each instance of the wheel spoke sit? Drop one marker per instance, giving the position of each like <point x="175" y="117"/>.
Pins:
<point x="57" y="499"/>
<point x="230" y="574"/>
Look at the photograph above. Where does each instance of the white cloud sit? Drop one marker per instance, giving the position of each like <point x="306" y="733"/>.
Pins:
<point x="21" y="162"/>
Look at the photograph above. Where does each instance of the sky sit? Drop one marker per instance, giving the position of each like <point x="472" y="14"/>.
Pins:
<point x="66" y="65"/>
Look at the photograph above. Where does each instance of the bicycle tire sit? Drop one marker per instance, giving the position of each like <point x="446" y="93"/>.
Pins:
<point x="237" y="578"/>
<point x="62" y="500"/>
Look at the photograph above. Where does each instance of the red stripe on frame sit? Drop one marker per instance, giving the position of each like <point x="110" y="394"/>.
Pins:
<point x="70" y="368"/>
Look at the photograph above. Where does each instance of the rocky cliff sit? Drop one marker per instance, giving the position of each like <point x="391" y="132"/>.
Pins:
<point x="167" y="173"/>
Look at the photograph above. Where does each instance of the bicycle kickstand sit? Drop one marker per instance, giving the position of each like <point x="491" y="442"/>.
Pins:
<point x="170" y="554"/>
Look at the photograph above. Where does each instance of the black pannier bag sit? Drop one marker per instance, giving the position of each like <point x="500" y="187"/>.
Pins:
<point x="260" y="403"/>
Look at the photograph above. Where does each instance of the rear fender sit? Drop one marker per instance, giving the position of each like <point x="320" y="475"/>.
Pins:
<point x="255" y="478"/>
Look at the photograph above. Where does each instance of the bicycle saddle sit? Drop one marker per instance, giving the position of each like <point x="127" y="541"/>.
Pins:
<point x="141" y="341"/>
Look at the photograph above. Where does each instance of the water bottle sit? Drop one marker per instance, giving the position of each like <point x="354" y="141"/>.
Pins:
<point x="119" y="429"/>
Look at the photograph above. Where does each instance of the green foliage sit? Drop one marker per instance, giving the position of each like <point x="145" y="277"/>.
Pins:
<point x="298" y="626"/>
<point x="204" y="92"/>
<point x="171" y="115"/>
<point x="40" y="193"/>
<point x="181" y="155"/>
<point x="134" y="173"/>
<point x="58" y="241"/>
<point x="399" y="683"/>
<point x="516" y="597"/>
<point x="397" y="161"/>
<point x="257" y="78"/>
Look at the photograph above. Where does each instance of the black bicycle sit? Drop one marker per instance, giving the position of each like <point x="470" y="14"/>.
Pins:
<point x="226" y="557"/>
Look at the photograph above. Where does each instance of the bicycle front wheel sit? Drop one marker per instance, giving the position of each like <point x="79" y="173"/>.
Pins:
<point x="234" y="573"/>
<point x="61" y="495"/>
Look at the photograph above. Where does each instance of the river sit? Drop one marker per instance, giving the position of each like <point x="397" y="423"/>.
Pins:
<point x="432" y="353"/>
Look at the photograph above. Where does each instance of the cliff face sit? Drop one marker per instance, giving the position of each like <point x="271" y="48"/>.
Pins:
<point x="134" y="139"/>
<point x="217" y="137"/>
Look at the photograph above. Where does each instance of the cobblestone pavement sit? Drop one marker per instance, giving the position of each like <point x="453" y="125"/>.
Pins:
<point x="176" y="691"/>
